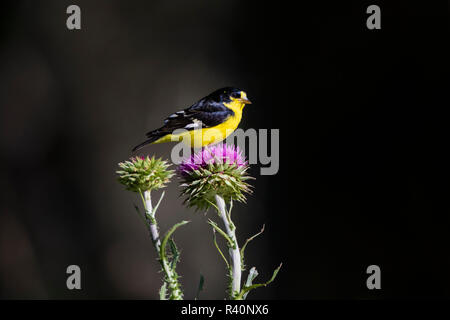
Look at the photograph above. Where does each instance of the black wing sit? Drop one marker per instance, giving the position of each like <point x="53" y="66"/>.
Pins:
<point x="203" y="114"/>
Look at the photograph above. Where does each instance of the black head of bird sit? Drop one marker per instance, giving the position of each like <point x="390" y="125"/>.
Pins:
<point x="227" y="95"/>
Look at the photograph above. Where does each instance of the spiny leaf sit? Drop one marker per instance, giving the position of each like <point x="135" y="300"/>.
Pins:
<point x="200" y="286"/>
<point x="218" y="249"/>
<point x="247" y="242"/>
<point x="175" y="254"/>
<point x="253" y="273"/>
<point x="162" y="253"/>
<point x="246" y="289"/>
<point x="217" y="228"/>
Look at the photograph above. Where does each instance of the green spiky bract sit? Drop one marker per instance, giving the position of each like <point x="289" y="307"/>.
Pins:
<point x="144" y="174"/>
<point x="202" y="184"/>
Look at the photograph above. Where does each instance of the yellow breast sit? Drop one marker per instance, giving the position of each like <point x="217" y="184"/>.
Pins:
<point x="206" y="136"/>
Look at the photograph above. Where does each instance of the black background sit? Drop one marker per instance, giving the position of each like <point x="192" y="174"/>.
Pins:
<point x="362" y="178"/>
<point x="363" y="151"/>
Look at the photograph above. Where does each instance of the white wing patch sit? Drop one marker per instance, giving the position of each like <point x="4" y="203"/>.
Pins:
<point x="174" y="116"/>
<point x="197" y="124"/>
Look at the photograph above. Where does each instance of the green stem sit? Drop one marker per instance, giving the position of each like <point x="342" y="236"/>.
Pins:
<point x="235" y="255"/>
<point x="151" y="220"/>
<point x="171" y="277"/>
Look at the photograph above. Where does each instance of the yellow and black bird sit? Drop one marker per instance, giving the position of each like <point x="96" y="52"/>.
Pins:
<point x="208" y="121"/>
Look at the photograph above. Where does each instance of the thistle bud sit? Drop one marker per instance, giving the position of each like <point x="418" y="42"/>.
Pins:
<point x="141" y="174"/>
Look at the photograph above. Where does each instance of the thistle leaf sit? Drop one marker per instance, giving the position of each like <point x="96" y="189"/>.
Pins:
<point x="217" y="228"/>
<point x="162" y="252"/>
<point x="247" y="289"/>
<point x="218" y="249"/>
<point x="253" y="273"/>
<point x="175" y="254"/>
<point x="200" y="286"/>
<point x="247" y="242"/>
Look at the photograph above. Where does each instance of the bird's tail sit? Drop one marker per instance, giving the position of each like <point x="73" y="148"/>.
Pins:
<point x="152" y="137"/>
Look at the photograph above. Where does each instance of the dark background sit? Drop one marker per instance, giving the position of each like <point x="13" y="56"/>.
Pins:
<point x="362" y="178"/>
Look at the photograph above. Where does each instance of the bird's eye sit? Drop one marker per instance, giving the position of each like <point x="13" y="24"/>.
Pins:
<point x="236" y="94"/>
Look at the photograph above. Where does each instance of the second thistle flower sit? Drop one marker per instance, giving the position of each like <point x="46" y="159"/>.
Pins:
<point x="215" y="170"/>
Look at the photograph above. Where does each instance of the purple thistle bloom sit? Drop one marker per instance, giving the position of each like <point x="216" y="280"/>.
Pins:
<point x="215" y="170"/>
<point x="216" y="154"/>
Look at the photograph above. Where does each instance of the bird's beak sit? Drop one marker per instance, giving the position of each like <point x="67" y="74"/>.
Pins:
<point x="245" y="100"/>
